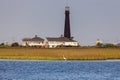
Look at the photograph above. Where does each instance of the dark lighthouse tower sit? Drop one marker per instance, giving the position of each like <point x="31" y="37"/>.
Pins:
<point x="67" y="33"/>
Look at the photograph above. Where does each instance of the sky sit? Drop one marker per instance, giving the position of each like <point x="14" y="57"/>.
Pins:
<point x="89" y="19"/>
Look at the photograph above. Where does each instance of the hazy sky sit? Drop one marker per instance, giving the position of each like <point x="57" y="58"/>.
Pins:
<point x="90" y="19"/>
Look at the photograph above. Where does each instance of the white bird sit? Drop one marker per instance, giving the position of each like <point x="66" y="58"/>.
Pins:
<point x="64" y="58"/>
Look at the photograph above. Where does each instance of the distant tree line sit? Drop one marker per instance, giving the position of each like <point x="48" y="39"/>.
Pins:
<point x="15" y="44"/>
<point x="109" y="45"/>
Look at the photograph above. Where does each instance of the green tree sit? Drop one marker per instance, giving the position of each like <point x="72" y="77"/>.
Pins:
<point x="99" y="44"/>
<point x="2" y="44"/>
<point x="15" y="44"/>
<point x="109" y="45"/>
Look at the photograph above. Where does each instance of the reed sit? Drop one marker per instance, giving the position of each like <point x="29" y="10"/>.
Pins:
<point x="57" y="54"/>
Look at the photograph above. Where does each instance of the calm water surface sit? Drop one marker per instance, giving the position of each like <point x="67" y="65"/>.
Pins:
<point x="59" y="70"/>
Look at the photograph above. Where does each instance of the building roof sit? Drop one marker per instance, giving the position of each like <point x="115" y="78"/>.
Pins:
<point x="36" y="38"/>
<point x="60" y="39"/>
<point x="26" y="39"/>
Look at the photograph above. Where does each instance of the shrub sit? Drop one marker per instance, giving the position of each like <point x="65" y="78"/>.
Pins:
<point x="15" y="44"/>
<point x="2" y="44"/>
<point x="109" y="46"/>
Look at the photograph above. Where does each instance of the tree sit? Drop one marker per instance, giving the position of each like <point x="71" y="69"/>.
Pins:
<point x="109" y="45"/>
<point x="15" y="44"/>
<point x="2" y="44"/>
<point x="99" y="43"/>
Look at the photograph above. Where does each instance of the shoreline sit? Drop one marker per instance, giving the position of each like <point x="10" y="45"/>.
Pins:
<point x="114" y="60"/>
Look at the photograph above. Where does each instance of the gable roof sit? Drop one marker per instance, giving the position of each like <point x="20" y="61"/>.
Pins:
<point x="36" y="38"/>
<point x="60" y="39"/>
<point x="26" y="39"/>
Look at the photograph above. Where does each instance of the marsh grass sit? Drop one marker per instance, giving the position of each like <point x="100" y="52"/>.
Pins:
<point x="57" y="54"/>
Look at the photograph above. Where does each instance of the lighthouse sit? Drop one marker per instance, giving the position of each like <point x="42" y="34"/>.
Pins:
<point x="67" y="32"/>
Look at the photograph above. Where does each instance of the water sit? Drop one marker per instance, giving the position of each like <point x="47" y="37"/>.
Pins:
<point x="59" y="70"/>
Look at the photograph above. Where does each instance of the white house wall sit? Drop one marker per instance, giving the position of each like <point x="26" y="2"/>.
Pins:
<point x="55" y="44"/>
<point x="51" y="44"/>
<point x="30" y="43"/>
<point x="71" y="44"/>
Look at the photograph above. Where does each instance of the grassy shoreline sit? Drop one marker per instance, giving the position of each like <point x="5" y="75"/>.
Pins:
<point x="57" y="54"/>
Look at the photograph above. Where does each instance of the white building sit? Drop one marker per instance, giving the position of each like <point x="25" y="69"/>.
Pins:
<point x="61" y="41"/>
<point x="35" y="41"/>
